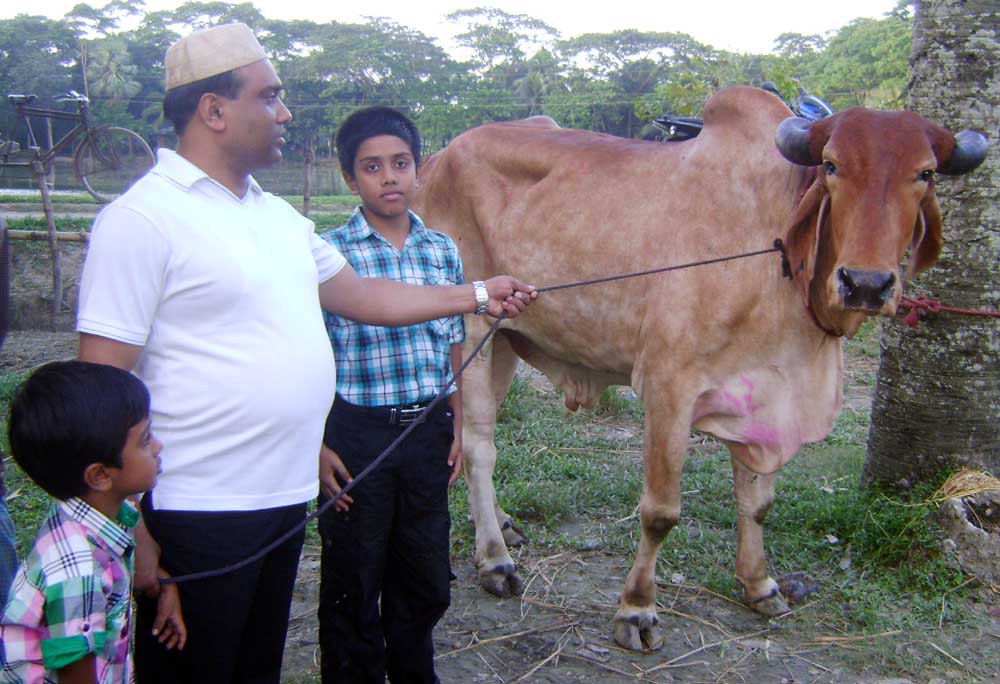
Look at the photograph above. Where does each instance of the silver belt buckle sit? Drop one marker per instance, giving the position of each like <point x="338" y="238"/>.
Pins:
<point x="409" y="415"/>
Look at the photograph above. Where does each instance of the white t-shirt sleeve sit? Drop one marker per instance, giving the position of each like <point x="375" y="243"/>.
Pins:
<point x="328" y="258"/>
<point x="124" y="276"/>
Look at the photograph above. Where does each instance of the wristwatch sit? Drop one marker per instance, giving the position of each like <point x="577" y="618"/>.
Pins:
<point x="482" y="297"/>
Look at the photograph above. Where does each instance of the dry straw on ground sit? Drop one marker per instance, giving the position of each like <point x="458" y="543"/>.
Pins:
<point x="966" y="482"/>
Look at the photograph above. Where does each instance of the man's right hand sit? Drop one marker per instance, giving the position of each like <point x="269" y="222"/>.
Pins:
<point x="147" y="563"/>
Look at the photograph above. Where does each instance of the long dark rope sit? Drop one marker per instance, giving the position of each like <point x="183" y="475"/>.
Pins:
<point x="778" y="247"/>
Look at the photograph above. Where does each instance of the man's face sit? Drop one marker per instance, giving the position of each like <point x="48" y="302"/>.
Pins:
<point x="255" y="121"/>
<point x="384" y="175"/>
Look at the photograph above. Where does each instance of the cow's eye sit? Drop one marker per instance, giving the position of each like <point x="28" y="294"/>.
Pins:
<point x="927" y="175"/>
<point x="830" y="168"/>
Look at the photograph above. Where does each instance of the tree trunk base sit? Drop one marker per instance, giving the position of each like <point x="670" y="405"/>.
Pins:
<point x="972" y="525"/>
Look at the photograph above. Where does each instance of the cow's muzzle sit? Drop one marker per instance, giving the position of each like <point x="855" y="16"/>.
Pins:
<point x="865" y="290"/>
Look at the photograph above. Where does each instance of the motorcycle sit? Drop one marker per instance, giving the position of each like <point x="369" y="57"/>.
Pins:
<point x="806" y="105"/>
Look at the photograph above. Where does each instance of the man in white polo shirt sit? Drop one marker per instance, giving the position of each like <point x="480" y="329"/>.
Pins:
<point x="210" y="289"/>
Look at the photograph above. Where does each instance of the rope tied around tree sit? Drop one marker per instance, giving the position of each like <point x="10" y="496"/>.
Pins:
<point x="921" y="303"/>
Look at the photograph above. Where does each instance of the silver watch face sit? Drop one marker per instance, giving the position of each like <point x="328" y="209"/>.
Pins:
<point x="482" y="296"/>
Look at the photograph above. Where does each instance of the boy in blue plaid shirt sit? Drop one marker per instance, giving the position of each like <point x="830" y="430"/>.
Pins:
<point x="81" y="432"/>
<point x="388" y="544"/>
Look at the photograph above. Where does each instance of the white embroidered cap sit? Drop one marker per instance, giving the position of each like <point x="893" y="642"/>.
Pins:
<point x="210" y="52"/>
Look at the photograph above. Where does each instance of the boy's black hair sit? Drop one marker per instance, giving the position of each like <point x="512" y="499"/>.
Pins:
<point x="180" y="103"/>
<point x="368" y="123"/>
<point x="70" y="414"/>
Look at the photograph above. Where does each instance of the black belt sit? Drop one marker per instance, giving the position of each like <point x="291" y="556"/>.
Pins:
<point x="390" y="415"/>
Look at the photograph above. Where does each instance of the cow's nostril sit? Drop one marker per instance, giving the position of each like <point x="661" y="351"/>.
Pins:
<point x="846" y="281"/>
<point x="890" y="281"/>
<point x="865" y="289"/>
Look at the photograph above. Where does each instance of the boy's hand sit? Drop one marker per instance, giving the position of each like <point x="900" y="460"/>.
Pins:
<point x="508" y="295"/>
<point x="169" y="627"/>
<point x="333" y="475"/>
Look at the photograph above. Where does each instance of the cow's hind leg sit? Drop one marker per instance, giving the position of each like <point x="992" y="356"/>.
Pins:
<point x="754" y="496"/>
<point x="636" y="625"/>
<point x="484" y="385"/>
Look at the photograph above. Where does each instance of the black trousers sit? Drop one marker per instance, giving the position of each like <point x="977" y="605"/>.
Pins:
<point x="392" y="545"/>
<point x="236" y="622"/>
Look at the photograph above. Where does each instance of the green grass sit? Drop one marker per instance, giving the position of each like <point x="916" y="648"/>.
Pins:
<point x="63" y="223"/>
<point x="83" y="198"/>
<point x="323" y="221"/>
<point x="57" y="198"/>
<point x="866" y="341"/>
<point x="26" y="502"/>
<point x="320" y="200"/>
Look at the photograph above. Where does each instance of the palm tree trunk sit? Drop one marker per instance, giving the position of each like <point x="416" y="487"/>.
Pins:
<point x="937" y="401"/>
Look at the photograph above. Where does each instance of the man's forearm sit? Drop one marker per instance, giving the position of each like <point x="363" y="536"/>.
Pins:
<point x="380" y="301"/>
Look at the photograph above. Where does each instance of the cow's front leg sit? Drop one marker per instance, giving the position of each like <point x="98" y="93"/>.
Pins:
<point x="635" y="624"/>
<point x="754" y="496"/>
<point x="484" y="385"/>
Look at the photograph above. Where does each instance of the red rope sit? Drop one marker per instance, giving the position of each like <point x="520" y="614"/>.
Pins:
<point x="918" y="304"/>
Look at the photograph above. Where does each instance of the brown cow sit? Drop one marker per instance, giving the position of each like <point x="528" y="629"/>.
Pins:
<point x="732" y="349"/>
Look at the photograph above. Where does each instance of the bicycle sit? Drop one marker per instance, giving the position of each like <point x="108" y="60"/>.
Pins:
<point x="106" y="161"/>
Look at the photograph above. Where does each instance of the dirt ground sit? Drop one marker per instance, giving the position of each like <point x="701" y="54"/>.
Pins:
<point x="559" y="631"/>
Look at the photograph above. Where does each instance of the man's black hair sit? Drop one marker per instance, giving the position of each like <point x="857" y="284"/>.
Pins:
<point x="70" y="414"/>
<point x="369" y="123"/>
<point x="180" y="103"/>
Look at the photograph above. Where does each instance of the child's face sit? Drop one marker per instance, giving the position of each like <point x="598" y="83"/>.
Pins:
<point x="140" y="461"/>
<point x="385" y="175"/>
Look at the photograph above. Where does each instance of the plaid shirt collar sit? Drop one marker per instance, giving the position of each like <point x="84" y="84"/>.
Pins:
<point x="358" y="229"/>
<point x="115" y="533"/>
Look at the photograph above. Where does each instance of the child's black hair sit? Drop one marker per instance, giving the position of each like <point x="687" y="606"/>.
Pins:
<point x="70" y="414"/>
<point x="368" y="123"/>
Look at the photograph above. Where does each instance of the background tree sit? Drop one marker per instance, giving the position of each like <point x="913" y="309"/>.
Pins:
<point x="37" y="56"/>
<point x="937" y="402"/>
<point x="515" y="66"/>
<point x="866" y="63"/>
<point x="633" y="63"/>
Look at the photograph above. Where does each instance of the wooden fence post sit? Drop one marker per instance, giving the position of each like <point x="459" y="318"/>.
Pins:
<point x="39" y="172"/>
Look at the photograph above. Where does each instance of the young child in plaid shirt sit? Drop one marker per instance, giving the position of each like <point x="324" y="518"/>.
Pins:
<point x="385" y="562"/>
<point x="81" y="432"/>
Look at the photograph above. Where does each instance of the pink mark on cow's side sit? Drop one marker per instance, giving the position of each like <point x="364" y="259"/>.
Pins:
<point x="765" y="435"/>
<point x="740" y="404"/>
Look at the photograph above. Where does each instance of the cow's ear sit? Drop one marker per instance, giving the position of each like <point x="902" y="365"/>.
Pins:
<point x="927" y="240"/>
<point x="802" y="238"/>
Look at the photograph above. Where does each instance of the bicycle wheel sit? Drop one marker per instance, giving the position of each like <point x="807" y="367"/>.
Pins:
<point x="109" y="160"/>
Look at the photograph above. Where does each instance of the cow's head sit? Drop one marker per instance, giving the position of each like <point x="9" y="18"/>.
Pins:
<point x="872" y="199"/>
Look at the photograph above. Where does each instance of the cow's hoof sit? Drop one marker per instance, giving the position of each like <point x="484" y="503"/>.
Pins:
<point x="502" y="581"/>
<point x="638" y="632"/>
<point x="513" y="535"/>
<point x="770" y="605"/>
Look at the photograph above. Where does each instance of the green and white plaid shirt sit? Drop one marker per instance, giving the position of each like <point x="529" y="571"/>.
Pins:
<point x="71" y="597"/>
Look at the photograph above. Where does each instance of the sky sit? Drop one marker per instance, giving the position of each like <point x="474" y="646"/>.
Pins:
<point x="735" y="25"/>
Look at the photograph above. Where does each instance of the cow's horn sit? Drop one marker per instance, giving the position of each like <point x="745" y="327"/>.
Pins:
<point x="970" y="151"/>
<point x="792" y="140"/>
